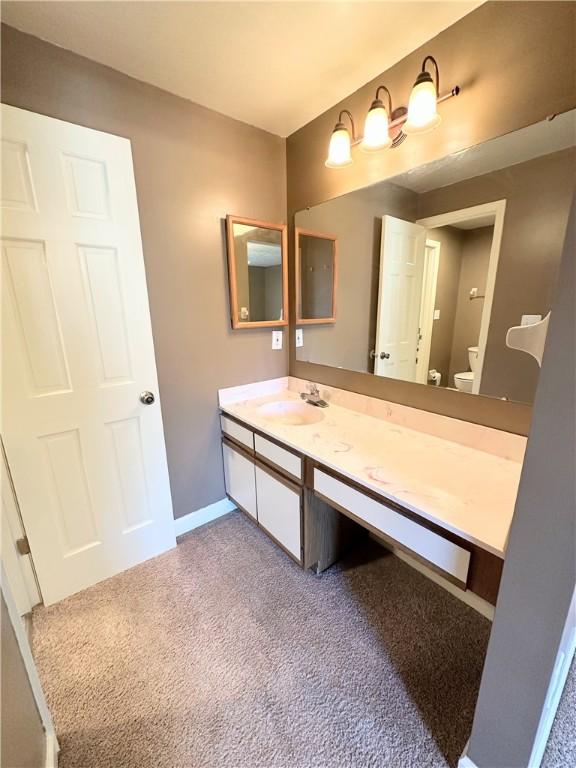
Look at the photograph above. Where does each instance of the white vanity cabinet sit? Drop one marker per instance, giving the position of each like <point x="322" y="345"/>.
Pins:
<point x="240" y="479"/>
<point x="264" y="480"/>
<point x="279" y="510"/>
<point x="315" y="513"/>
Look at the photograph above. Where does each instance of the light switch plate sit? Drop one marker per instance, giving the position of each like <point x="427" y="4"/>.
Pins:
<point x="299" y="337"/>
<point x="276" y="339"/>
<point x="436" y="314"/>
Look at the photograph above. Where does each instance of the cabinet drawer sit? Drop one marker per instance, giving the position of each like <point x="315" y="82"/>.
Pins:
<point x="237" y="432"/>
<point x="240" y="480"/>
<point x="279" y="511"/>
<point x="449" y="557"/>
<point x="282" y="458"/>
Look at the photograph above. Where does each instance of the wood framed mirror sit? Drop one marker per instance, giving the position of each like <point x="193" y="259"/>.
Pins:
<point x="316" y="277"/>
<point x="257" y="272"/>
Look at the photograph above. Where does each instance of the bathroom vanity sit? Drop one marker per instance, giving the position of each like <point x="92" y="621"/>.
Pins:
<point x="439" y="490"/>
<point x="402" y="290"/>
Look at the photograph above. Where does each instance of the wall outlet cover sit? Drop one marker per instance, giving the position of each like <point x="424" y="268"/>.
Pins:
<point x="276" y="339"/>
<point x="299" y="337"/>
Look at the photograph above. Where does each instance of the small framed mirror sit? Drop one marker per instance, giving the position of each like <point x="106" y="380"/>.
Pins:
<point x="316" y="277"/>
<point x="258" y="273"/>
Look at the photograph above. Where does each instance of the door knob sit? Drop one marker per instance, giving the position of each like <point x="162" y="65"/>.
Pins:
<point x="147" y="397"/>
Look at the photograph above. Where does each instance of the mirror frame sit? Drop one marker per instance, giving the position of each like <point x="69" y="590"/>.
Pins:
<point x="321" y="236"/>
<point x="232" y="277"/>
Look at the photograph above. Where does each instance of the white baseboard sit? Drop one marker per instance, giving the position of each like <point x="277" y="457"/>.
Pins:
<point x="52" y="749"/>
<point x="202" y="516"/>
<point x="566" y="652"/>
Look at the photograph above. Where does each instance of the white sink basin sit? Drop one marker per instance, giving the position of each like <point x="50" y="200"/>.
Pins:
<point x="290" y="412"/>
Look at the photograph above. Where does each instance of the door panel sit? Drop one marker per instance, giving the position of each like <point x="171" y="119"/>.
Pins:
<point x="68" y="485"/>
<point x="104" y="294"/>
<point x="34" y="315"/>
<point x="87" y="189"/>
<point x="279" y="511"/>
<point x="402" y="257"/>
<point x="17" y="187"/>
<point x="77" y="353"/>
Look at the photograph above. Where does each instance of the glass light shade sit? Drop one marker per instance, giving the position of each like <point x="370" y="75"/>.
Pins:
<point x="376" y="129"/>
<point x="422" y="112"/>
<point x="339" y="151"/>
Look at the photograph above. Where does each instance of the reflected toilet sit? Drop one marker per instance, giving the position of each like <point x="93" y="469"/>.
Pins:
<point x="465" y="381"/>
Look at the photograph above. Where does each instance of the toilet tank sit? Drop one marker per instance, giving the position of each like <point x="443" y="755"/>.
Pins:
<point x="473" y="358"/>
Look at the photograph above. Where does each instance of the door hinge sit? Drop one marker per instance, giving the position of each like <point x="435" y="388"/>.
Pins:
<point x="23" y="546"/>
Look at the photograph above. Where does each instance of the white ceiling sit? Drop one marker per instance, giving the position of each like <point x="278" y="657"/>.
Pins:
<point x="264" y="254"/>
<point x="276" y="65"/>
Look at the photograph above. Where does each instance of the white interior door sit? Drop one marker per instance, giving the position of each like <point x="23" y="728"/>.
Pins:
<point x="402" y="253"/>
<point x="86" y="455"/>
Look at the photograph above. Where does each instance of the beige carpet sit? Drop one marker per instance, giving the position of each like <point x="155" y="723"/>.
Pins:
<point x="223" y="653"/>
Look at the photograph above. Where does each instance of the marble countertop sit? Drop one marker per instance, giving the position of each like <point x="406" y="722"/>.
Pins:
<point x="465" y="490"/>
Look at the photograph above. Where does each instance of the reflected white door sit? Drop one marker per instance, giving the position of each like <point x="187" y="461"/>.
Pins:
<point x="86" y="455"/>
<point x="402" y="253"/>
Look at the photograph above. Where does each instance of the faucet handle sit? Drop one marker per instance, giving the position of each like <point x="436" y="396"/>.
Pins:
<point x="313" y="388"/>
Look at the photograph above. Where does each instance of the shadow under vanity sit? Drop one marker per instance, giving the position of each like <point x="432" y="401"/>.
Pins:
<point x="316" y="479"/>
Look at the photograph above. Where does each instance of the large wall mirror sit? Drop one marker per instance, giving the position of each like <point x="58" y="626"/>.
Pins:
<point x="437" y="264"/>
<point x="258" y="273"/>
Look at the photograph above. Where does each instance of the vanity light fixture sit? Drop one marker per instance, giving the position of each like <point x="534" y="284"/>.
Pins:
<point x="384" y="128"/>
<point x="339" y="150"/>
<point x="376" y="125"/>
<point x="422" y="108"/>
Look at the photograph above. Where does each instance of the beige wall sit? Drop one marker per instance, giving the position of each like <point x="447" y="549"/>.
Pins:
<point x="316" y="276"/>
<point x="450" y="261"/>
<point x="192" y="167"/>
<point x="265" y="298"/>
<point x="22" y="734"/>
<point x="515" y="63"/>
<point x="273" y="291"/>
<point x="464" y="259"/>
<point x="476" y="244"/>
<point x="539" y="577"/>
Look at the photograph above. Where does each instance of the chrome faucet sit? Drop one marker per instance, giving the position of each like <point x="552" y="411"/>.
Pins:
<point x="313" y="396"/>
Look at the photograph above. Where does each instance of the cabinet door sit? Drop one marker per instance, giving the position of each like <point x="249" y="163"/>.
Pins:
<point x="240" y="481"/>
<point x="279" y="511"/>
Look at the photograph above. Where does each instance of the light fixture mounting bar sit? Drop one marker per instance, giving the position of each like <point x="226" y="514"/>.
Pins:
<point x="401" y="120"/>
